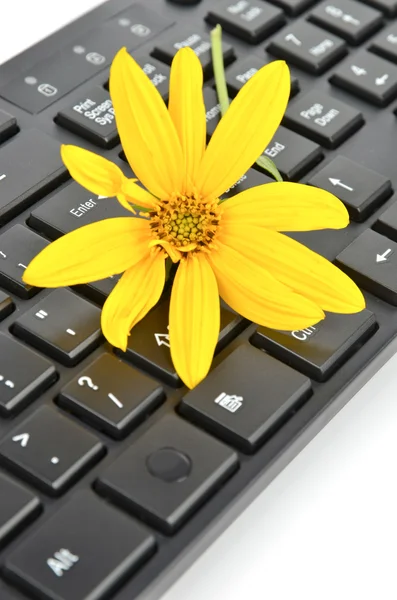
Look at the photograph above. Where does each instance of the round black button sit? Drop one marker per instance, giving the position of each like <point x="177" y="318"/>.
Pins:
<point x="169" y="465"/>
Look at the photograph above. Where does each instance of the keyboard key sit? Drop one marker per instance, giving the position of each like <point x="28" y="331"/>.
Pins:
<point x="177" y="466"/>
<point x="252" y="21"/>
<point x="42" y="172"/>
<point x="70" y="208"/>
<point x="18" y="507"/>
<point x="245" y="398"/>
<point x="61" y="325"/>
<point x="388" y="7"/>
<point x="347" y="18"/>
<point x="251" y="179"/>
<point x="24" y="375"/>
<point x="6" y="305"/>
<point x="149" y="347"/>
<point x="8" y="126"/>
<point x="200" y="43"/>
<point x="385" y="44"/>
<point x="18" y="246"/>
<point x="40" y="451"/>
<point x="48" y="81"/>
<point x="111" y="396"/>
<point x="368" y="76"/>
<point x="387" y="222"/>
<point x="85" y="551"/>
<point x="371" y="260"/>
<point x="92" y="118"/>
<point x="293" y="154"/>
<point x="157" y="71"/>
<point x="319" y="350"/>
<point x="360" y="189"/>
<point x="98" y="291"/>
<point x="242" y="70"/>
<point x="308" y="47"/>
<point x="323" y="119"/>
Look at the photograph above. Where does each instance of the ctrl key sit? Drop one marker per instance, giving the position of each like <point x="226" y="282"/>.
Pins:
<point x="85" y="551"/>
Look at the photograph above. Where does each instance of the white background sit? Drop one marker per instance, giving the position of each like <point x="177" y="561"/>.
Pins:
<point x="327" y="527"/>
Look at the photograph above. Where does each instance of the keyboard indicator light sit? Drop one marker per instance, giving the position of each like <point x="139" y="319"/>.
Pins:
<point x="22" y="438"/>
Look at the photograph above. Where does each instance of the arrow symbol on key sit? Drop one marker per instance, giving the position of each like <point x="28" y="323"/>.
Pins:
<point x="383" y="257"/>
<point x="23" y="438"/>
<point x="337" y="182"/>
<point x="162" y="339"/>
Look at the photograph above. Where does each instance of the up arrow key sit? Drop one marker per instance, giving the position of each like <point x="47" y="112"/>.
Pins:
<point x="383" y="257"/>
<point x="23" y="438"/>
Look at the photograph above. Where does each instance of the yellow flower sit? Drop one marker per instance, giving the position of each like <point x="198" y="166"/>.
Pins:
<point x="232" y="249"/>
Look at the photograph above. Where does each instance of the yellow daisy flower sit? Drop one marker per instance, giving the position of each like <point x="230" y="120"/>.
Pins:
<point x="232" y="248"/>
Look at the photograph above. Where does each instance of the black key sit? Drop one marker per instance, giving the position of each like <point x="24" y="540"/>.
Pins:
<point x="347" y="18"/>
<point x="42" y="171"/>
<point x="20" y="386"/>
<point x="308" y="47"/>
<point x="62" y="325"/>
<point x="319" y="350"/>
<point x="293" y="154"/>
<point x="8" y="126"/>
<point x="6" y="305"/>
<point x="246" y="398"/>
<point x="251" y="179"/>
<point x="72" y="207"/>
<point x="360" y="189"/>
<point x="323" y="119"/>
<point x="200" y="43"/>
<point x="387" y="222"/>
<point x="293" y="7"/>
<point x="50" y="451"/>
<point x="98" y="291"/>
<point x="157" y="71"/>
<point x="371" y="260"/>
<point x="388" y="7"/>
<point x="368" y="76"/>
<point x="18" y="246"/>
<point x="385" y="44"/>
<point x="48" y="81"/>
<point x="91" y="117"/>
<point x="85" y="551"/>
<point x="18" y="507"/>
<point x="242" y="70"/>
<point x="111" y="396"/>
<point x="149" y="347"/>
<point x="177" y="466"/>
<point x="250" y="20"/>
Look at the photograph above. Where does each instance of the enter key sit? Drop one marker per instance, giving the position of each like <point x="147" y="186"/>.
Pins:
<point x="371" y="260"/>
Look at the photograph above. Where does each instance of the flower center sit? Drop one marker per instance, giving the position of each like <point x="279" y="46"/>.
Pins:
<point x="185" y="222"/>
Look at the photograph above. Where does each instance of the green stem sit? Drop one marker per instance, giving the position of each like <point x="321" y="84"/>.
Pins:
<point x="219" y="68"/>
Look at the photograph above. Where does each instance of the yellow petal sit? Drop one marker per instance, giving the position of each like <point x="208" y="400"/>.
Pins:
<point x="186" y="107"/>
<point x="89" y="253"/>
<point x="147" y="133"/>
<point x="296" y="266"/>
<point x="95" y="173"/>
<point x="194" y="319"/>
<point x="286" y="207"/>
<point x="254" y="293"/>
<point x="244" y="132"/>
<point x="135" y="294"/>
<point x="135" y="194"/>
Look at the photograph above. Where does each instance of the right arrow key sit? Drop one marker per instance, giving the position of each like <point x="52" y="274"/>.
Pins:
<point x="360" y="189"/>
<point x="371" y="260"/>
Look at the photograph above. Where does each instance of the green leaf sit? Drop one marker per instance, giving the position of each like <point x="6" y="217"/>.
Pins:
<point x="268" y="165"/>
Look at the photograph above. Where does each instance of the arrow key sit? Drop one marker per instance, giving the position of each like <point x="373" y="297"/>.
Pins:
<point x="40" y="451"/>
<point x="371" y="260"/>
<point x="360" y="189"/>
<point x="368" y="76"/>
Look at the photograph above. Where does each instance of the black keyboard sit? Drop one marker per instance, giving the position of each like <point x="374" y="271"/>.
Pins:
<point x="113" y="476"/>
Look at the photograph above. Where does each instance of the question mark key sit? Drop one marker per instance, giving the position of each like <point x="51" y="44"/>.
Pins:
<point x="123" y="396"/>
